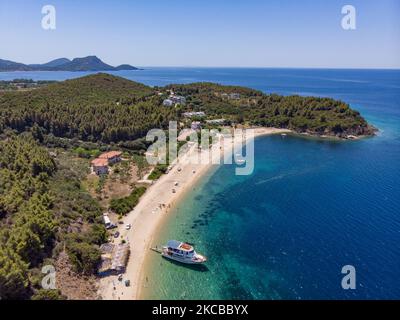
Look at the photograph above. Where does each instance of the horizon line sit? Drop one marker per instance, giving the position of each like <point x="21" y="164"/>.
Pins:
<point x="220" y="67"/>
<point x="226" y="67"/>
<point x="268" y="67"/>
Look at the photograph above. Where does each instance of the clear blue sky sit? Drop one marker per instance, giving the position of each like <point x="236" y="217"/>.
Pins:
<point x="274" y="33"/>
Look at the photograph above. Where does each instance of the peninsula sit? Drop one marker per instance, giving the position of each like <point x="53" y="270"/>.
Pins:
<point x="106" y="108"/>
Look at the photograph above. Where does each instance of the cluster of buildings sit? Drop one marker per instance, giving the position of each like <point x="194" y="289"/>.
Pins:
<point x="230" y="96"/>
<point x="196" y="125"/>
<point x="173" y="100"/>
<point x="198" y="114"/>
<point x="101" y="164"/>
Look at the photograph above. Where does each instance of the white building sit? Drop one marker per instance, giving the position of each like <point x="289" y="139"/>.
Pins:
<point x="234" y="96"/>
<point x="194" y="114"/>
<point x="196" y="125"/>
<point x="168" y="103"/>
<point x="216" y="121"/>
<point x="178" y="99"/>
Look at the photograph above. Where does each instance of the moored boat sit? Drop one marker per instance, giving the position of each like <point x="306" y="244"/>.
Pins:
<point x="182" y="252"/>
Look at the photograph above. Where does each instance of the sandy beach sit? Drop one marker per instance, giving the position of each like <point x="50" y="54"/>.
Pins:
<point x="148" y="216"/>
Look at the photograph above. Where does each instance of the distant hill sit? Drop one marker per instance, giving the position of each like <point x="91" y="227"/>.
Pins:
<point x="90" y="63"/>
<point x="125" y="67"/>
<point x="56" y="63"/>
<point x="6" y="65"/>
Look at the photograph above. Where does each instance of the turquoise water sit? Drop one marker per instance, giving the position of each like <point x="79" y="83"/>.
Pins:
<point x="286" y="231"/>
<point x="309" y="208"/>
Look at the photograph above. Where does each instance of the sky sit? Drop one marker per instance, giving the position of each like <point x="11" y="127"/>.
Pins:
<point x="205" y="33"/>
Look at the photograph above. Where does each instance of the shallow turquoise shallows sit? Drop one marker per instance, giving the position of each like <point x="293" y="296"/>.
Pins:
<point x="309" y="208"/>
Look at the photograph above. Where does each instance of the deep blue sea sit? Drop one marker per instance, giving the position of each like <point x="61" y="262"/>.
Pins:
<point x="309" y="208"/>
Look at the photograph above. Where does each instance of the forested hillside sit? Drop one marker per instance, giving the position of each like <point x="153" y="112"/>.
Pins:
<point x="314" y="115"/>
<point x="39" y="203"/>
<point x="28" y="225"/>
<point x="94" y="108"/>
<point x="106" y="108"/>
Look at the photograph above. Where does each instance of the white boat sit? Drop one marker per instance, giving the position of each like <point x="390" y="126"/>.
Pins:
<point x="182" y="252"/>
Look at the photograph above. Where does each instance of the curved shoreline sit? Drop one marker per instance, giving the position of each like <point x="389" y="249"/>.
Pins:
<point x="146" y="260"/>
<point x="259" y="132"/>
<point x="147" y="217"/>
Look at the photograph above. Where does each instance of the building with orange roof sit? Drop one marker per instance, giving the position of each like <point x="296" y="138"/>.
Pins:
<point x="100" y="166"/>
<point x="111" y="156"/>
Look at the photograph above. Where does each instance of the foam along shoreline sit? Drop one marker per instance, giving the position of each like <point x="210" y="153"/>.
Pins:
<point x="148" y="216"/>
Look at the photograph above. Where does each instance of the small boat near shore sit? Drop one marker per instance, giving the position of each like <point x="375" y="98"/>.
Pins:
<point x="182" y="252"/>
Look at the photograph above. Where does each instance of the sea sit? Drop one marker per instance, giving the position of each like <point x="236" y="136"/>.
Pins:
<point x="310" y="208"/>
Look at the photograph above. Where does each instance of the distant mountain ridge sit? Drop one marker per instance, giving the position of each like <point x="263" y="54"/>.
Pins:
<point x="90" y="63"/>
<point x="53" y="63"/>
